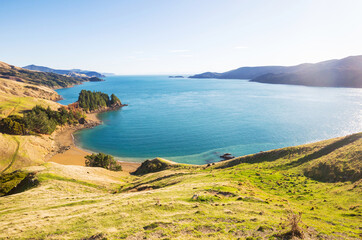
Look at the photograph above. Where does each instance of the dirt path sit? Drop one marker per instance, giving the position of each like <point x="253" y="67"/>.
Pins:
<point x="14" y="108"/>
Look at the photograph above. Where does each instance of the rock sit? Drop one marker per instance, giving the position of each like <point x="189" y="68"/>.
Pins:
<point x="227" y="156"/>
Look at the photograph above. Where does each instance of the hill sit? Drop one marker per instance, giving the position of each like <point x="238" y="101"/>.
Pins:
<point x="72" y="72"/>
<point x="16" y="97"/>
<point x="346" y="72"/>
<point x="48" y="79"/>
<point x="247" y="198"/>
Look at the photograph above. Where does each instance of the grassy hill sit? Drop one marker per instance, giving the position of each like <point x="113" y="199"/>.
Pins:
<point x="16" y="97"/>
<point x="247" y="197"/>
<point x="49" y="79"/>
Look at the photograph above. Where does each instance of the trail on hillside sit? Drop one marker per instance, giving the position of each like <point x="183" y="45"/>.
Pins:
<point x="14" y="155"/>
<point x="14" y="108"/>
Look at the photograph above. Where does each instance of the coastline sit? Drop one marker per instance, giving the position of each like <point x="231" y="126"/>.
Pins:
<point x="69" y="154"/>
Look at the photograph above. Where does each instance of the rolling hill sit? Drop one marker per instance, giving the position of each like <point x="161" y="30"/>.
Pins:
<point x="72" y="72"/>
<point x="346" y="72"/>
<point x="250" y="197"/>
<point x="48" y="79"/>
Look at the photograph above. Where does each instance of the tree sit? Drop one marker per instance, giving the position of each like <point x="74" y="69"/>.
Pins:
<point x="114" y="99"/>
<point x="90" y="101"/>
<point x="102" y="160"/>
<point x="10" y="125"/>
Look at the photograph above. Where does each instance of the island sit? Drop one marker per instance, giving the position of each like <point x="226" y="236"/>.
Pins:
<point x="179" y="76"/>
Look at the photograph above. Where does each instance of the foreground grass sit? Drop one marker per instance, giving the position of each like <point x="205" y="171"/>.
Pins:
<point x="244" y="198"/>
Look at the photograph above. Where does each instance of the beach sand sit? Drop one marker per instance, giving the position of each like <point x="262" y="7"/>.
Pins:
<point x="74" y="155"/>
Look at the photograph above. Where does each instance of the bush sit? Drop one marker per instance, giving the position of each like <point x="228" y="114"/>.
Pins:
<point x="102" y="160"/>
<point x="13" y="125"/>
<point x="39" y="120"/>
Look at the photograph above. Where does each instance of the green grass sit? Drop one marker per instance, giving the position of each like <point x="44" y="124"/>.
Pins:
<point x="247" y="200"/>
<point x="43" y="177"/>
<point x="13" y="105"/>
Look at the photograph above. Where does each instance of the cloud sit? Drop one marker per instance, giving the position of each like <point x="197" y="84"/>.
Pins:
<point x="179" y="51"/>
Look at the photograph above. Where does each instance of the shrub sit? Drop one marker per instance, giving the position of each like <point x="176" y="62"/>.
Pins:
<point x="294" y="222"/>
<point x="12" y="125"/>
<point x="102" y="160"/>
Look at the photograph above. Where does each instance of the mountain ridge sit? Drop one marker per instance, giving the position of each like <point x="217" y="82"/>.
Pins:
<point x="48" y="79"/>
<point x="71" y="72"/>
<point x="345" y="72"/>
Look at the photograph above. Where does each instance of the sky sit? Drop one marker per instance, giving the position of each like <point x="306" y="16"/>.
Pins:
<point x="177" y="37"/>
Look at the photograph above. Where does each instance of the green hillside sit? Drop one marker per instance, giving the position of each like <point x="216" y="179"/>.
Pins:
<point x="49" y="79"/>
<point x="250" y="197"/>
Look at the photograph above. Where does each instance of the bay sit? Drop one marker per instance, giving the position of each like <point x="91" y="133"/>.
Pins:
<point x="197" y="120"/>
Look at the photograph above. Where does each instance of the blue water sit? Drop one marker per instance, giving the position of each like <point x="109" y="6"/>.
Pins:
<point x="196" y="120"/>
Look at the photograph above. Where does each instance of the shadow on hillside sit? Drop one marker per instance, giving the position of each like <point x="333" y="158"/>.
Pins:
<point x="325" y="150"/>
<point x="260" y="157"/>
<point x="273" y="155"/>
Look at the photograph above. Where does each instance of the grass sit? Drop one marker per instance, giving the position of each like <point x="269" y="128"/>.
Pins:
<point x="13" y="158"/>
<point x="247" y="200"/>
<point x="43" y="177"/>
<point x="14" y="105"/>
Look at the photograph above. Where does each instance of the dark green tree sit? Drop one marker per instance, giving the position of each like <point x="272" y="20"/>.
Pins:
<point x="114" y="99"/>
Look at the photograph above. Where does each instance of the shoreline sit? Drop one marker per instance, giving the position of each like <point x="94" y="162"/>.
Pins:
<point x="69" y="154"/>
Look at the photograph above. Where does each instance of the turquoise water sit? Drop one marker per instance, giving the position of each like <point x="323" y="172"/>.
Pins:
<point x="195" y="121"/>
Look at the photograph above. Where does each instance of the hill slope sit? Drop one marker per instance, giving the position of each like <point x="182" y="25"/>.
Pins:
<point x="346" y="72"/>
<point x="72" y="72"/>
<point x="52" y="80"/>
<point x="242" y="198"/>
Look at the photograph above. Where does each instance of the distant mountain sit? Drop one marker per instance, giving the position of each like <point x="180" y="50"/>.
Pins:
<point x="49" y="79"/>
<point x="242" y="73"/>
<point x="346" y="72"/>
<point x="71" y="72"/>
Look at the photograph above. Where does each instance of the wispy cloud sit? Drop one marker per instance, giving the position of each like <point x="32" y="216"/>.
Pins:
<point x="179" y="51"/>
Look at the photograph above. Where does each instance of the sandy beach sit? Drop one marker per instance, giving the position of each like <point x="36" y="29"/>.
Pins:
<point x="71" y="155"/>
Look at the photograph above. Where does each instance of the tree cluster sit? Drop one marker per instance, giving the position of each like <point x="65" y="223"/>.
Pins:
<point x="39" y="120"/>
<point x="102" y="160"/>
<point x="91" y="101"/>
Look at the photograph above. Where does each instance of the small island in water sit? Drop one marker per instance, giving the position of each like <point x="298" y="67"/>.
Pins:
<point x="178" y="76"/>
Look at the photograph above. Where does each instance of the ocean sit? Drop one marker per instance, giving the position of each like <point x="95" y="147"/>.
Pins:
<point x="197" y="120"/>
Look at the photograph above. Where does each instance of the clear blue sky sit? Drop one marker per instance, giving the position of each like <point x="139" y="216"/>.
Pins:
<point x="183" y="36"/>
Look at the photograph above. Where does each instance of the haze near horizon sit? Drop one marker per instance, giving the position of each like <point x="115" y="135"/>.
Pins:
<point x="164" y="37"/>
